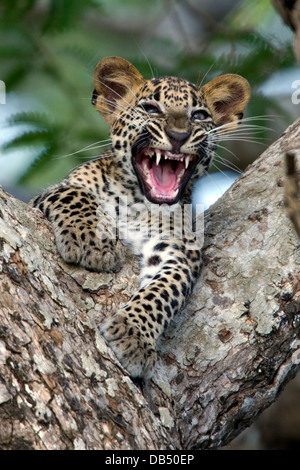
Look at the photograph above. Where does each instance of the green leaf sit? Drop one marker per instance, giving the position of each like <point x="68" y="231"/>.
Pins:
<point x="32" y="118"/>
<point x="34" y="137"/>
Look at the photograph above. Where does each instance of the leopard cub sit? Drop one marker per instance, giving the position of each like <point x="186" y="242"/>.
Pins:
<point x="163" y="138"/>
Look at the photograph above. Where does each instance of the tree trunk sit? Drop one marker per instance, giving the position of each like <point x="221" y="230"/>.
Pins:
<point x="224" y="360"/>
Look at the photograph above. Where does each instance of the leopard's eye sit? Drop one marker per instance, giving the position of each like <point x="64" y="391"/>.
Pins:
<point x="151" y="108"/>
<point x="200" y="115"/>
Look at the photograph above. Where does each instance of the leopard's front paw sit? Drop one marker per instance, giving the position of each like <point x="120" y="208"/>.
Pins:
<point x="90" y="251"/>
<point x="135" y="351"/>
<point x="107" y="256"/>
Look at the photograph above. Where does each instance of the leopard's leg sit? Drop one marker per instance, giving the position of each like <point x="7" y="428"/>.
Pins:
<point x="85" y="234"/>
<point x="134" y="330"/>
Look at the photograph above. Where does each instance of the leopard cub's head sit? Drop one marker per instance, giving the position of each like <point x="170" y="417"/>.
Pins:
<point x="162" y="128"/>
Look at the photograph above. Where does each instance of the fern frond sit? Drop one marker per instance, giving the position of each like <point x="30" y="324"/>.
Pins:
<point x="29" y="138"/>
<point x="32" y="118"/>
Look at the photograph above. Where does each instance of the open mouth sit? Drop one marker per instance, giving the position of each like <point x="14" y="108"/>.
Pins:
<point x="163" y="174"/>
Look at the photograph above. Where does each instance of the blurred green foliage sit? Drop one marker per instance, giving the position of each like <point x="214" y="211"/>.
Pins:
<point x="49" y="48"/>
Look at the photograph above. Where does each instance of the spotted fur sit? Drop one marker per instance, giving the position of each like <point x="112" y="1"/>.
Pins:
<point x="161" y="132"/>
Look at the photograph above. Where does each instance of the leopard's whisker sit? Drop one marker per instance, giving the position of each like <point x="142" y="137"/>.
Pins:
<point x="242" y="139"/>
<point x="87" y="148"/>
<point x="215" y="183"/>
<point x="227" y="150"/>
<point x="247" y="131"/>
<point x="207" y="72"/>
<point x="242" y="124"/>
<point x="227" y="164"/>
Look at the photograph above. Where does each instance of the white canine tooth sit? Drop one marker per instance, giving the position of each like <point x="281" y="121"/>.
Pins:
<point x="187" y="161"/>
<point x="158" y="157"/>
<point x="175" y="192"/>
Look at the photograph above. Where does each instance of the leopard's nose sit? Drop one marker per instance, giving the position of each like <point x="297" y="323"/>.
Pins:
<point x="177" y="139"/>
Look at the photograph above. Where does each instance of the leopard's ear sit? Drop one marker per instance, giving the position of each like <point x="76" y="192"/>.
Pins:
<point x="116" y="82"/>
<point x="227" y="96"/>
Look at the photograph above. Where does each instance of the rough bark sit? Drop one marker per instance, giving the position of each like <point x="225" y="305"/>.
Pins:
<point x="292" y="189"/>
<point x="224" y="360"/>
<point x="289" y="11"/>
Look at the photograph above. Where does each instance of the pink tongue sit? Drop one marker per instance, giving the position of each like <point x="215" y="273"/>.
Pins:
<point x="164" y="175"/>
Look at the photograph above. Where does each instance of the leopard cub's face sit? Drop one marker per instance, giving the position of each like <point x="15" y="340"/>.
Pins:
<point x="171" y="139"/>
<point x="162" y="129"/>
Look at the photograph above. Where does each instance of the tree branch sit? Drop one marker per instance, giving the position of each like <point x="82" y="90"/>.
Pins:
<point x="289" y="10"/>
<point x="292" y="190"/>
<point x="224" y="360"/>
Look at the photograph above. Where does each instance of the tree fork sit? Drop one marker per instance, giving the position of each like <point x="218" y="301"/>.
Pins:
<point x="223" y="360"/>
